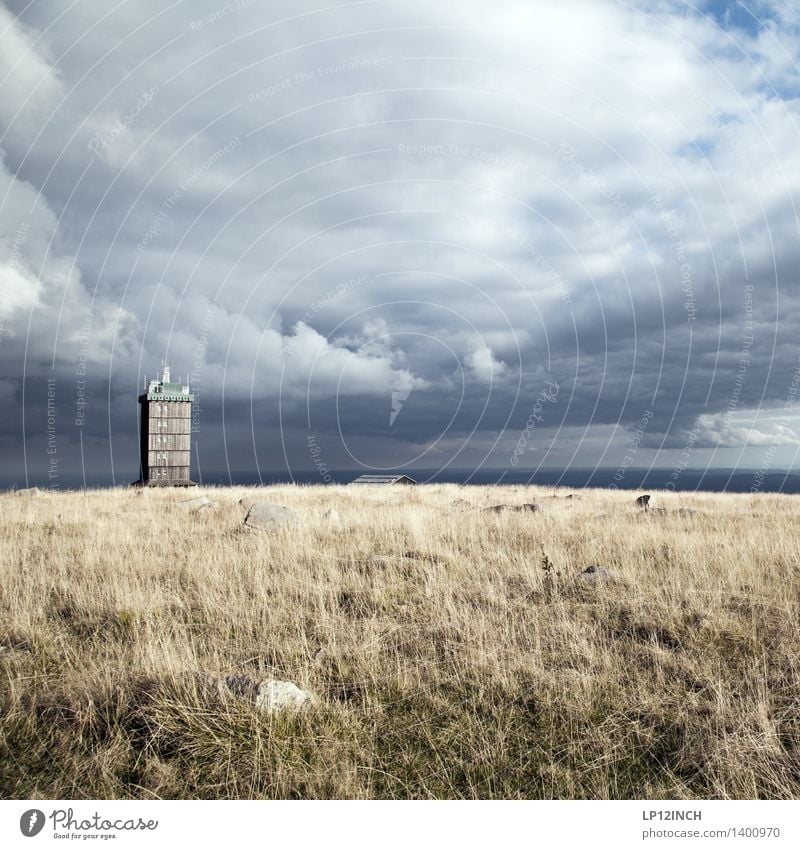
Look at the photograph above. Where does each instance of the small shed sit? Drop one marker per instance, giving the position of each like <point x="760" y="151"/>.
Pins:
<point x="380" y="480"/>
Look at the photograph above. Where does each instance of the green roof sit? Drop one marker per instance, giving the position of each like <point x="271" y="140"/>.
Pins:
<point x="168" y="392"/>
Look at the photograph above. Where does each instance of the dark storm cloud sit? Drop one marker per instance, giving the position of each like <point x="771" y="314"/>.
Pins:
<point x="390" y="225"/>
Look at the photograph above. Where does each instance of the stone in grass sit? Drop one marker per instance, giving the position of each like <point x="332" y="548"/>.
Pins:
<point x="387" y="561"/>
<point x="247" y="501"/>
<point x="201" y="503"/>
<point x="33" y="490"/>
<point x="331" y="516"/>
<point x="512" y="508"/>
<point x="264" y="516"/>
<point x="270" y="696"/>
<point x="274" y="696"/>
<point x="594" y="574"/>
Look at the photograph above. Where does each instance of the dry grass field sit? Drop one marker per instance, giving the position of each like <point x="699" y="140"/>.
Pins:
<point x="454" y="653"/>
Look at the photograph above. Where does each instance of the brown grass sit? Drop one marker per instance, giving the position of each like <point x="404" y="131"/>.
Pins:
<point x="469" y="663"/>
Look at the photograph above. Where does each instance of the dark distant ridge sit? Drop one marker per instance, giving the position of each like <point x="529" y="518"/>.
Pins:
<point x="689" y="480"/>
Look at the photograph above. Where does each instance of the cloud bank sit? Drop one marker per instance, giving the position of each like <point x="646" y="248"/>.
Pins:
<point x="391" y="224"/>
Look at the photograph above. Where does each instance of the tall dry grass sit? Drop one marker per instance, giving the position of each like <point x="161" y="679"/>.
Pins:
<point x="468" y="662"/>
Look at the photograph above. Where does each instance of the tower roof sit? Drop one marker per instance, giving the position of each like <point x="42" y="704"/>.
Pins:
<point x="167" y="390"/>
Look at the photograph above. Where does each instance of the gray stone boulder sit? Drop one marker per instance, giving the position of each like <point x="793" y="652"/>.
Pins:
<point x="275" y="696"/>
<point x="512" y="508"/>
<point x="264" y="516"/>
<point x="270" y="696"/>
<point x="594" y="574"/>
<point x="199" y="504"/>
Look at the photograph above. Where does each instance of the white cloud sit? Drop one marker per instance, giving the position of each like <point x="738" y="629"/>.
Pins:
<point x="484" y="366"/>
<point x="48" y="312"/>
<point x="30" y="87"/>
<point x="753" y="428"/>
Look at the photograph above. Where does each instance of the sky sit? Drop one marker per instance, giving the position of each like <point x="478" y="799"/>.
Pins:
<point x="401" y="235"/>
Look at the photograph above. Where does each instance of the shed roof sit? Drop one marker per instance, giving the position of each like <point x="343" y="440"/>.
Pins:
<point x="375" y="480"/>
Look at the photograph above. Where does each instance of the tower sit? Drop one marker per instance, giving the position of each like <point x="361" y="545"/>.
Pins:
<point x="166" y="426"/>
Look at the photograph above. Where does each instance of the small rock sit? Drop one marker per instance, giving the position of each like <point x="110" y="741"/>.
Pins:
<point x="269" y="517"/>
<point x="270" y="695"/>
<point x="274" y="696"/>
<point x="687" y="511"/>
<point x="512" y="508"/>
<point x="593" y="574"/>
<point x="410" y="554"/>
<point x="197" y="504"/>
<point x="33" y="490"/>
<point x="331" y="516"/>
<point x="239" y="685"/>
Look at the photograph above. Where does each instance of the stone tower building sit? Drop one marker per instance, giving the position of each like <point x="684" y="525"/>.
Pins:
<point x="166" y="426"/>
